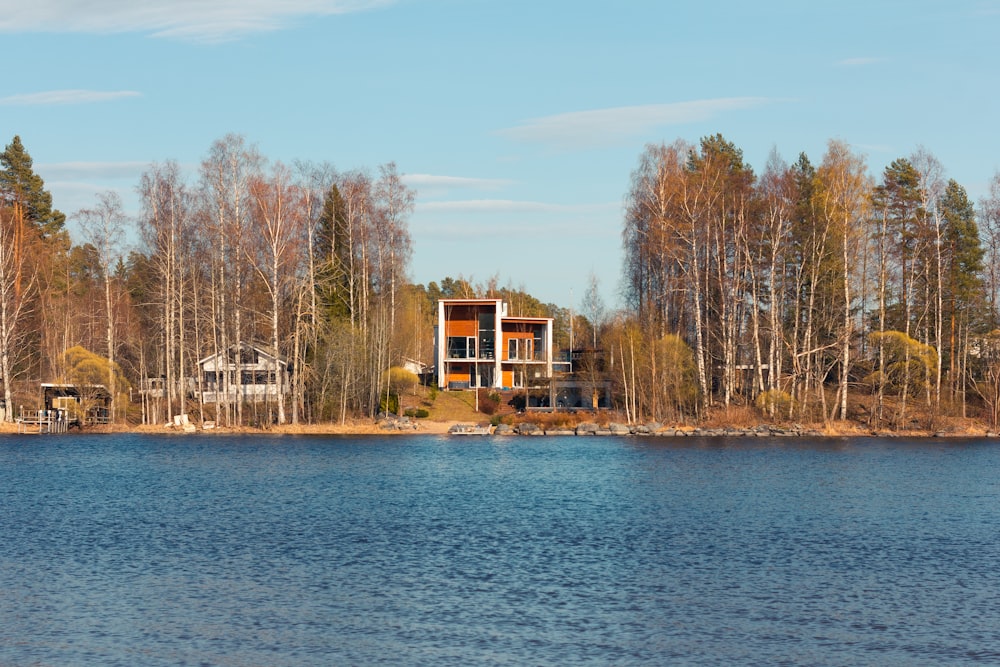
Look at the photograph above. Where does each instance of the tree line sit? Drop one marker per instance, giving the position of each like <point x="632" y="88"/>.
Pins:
<point x="814" y="292"/>
<point x="807" y="285"/>
<point x="305" y="260"/>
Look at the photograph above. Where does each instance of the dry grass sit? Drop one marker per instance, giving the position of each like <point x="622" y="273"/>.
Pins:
<point x="548" y="420"/>
<point x="455" y="406"/>
<point x="733" y="416"/>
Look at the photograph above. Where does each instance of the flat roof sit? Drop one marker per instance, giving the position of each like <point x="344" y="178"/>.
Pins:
<point x="470" y="301"/>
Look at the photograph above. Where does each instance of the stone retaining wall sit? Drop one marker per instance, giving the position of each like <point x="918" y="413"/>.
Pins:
<point x="590" y="428"/>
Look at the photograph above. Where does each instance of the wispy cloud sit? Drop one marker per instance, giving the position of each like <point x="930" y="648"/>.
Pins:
<point x="989" y="8"/>
<point x="58" y="97"/>
<point x="579" y="129"/>
<point x="858" y="62"/>
<point x="197" y="20"/>
<point x="505" y="206"/>
<point x="875" y="148"/>
<point x="454" y="182"/>
<point x="483" y="229"/>
<point x="70" y="196"/>
<point x="74" y="171"/>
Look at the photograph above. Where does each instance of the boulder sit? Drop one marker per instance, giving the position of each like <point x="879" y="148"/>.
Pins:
<point x="527" y="428"/>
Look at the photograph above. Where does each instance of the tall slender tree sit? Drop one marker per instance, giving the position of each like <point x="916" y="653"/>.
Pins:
<point x="279" y="220"/>
<point x="963" y="291"/>
<point x="898" y="201"/>
<point x="104" y="227"/>
<point x="226" y="174"/>
<point x="166" y="228"/>
<point x="842" y="195"/>
<point x="33" y="240"/>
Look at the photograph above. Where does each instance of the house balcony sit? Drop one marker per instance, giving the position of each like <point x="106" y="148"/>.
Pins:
<point x="536" y="357"/>
<point x="252" y="393"/>
<point x="462" y="356"/>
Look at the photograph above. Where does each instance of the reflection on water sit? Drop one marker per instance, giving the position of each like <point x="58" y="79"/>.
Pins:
<point x="132" y="550"/>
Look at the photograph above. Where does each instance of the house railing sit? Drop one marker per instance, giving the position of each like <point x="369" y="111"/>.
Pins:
<point x="251" y="392"/>
<point x="537" y="356"/>
<point x="42" y="421"/>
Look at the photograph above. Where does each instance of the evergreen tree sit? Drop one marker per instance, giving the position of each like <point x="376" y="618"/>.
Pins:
<point x="964" y="303"/>
<point x="19" y="184"/>
<point x="898" y="200"/>
<point x="333" y="256"/>
<point x="963" y="250"/>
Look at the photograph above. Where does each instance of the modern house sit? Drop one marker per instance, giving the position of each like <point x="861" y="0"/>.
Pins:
<point x="477" y="344"/>
<point x="245" y="372"/>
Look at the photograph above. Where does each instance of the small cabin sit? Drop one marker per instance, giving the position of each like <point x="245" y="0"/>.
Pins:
<point x="86" y="404"/>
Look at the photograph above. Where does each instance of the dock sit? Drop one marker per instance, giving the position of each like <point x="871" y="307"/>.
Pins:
<point x="471" y="429"/>
<point x="45" y="421"/>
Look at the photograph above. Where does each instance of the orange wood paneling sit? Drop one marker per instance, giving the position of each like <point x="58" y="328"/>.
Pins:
<point x="507" y="336"/>
<point x="458" y="376"/>
<point x="461" y="321"/>
<point x="461" y="328"/>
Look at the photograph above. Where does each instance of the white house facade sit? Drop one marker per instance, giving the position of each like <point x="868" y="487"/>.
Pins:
<point x="247" y="373"/>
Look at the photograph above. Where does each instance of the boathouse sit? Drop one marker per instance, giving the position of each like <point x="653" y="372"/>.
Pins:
<point x="86" y="404"/>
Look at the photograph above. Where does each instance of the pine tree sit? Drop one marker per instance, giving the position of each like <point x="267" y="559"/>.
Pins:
<point x="333" y="256"/>
<point x="964" y="299"/>
<point x="963" y="247"/>
<point x="19" y="184"/>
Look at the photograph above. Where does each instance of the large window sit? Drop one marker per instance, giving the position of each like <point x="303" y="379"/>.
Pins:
<point x="487" y="335"/>
<point x="520" y="349"/>
<point x="461" y="347"/>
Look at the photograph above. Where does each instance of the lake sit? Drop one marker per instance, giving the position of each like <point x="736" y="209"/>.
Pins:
<point x="430" y="550"/>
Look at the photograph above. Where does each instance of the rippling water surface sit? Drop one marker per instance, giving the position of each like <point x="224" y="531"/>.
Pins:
<point x="142" y="550"/>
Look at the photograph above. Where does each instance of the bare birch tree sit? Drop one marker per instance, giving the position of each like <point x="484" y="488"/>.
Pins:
<point x="843" y="193"/>
<point x="104" y="227"/>
<point x="17" y="284"/>
<point x="280" y="223"/>
<point x="224" y="188"/>
<point x="166" y="225"/>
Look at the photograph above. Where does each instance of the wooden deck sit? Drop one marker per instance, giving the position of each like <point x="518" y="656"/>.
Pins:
<point x="45" y="421"/>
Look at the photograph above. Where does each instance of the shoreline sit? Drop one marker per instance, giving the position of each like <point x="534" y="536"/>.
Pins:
<point x="428" y="427"/>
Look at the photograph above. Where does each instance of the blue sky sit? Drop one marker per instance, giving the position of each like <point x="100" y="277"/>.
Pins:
<point x="517" y="123"/>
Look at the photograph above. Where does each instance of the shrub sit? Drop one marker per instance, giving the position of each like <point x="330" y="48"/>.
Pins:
<point x="518" y="402"/>
<point x="774" y="402"/>
<point x="488" y="401"/>
<point x="400" y="380"/>
<point x="422" y="414"/>
<point x="909" y="364"/>
<point x="679" y="374"/>
<point x="389" y="403"/>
